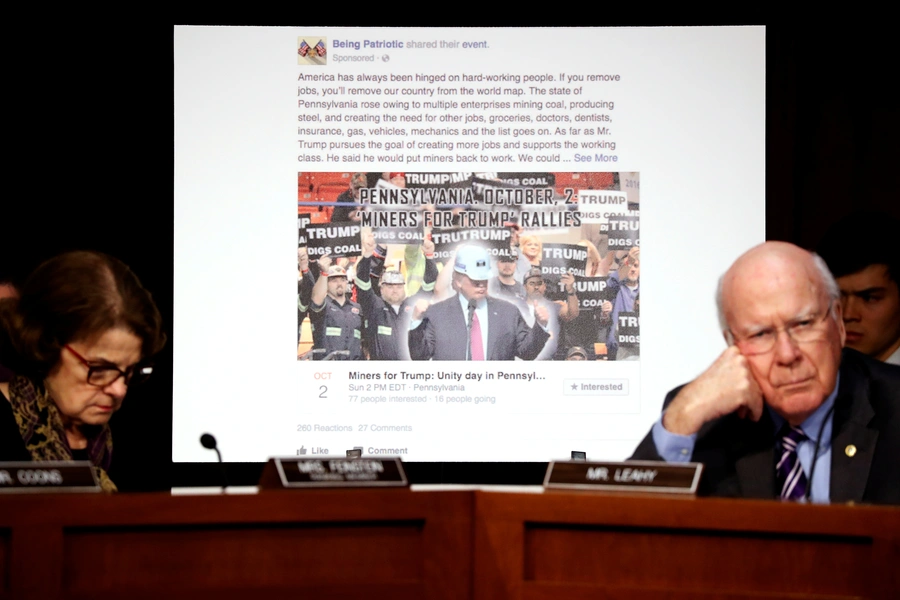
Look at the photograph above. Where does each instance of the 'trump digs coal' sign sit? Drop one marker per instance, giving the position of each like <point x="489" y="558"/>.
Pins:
<point x="336" y="239"/>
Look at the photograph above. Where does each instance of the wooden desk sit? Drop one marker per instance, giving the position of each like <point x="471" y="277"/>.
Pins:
<point x="563" y="545"/>
<point x="309" y="544"/>
<point x="441" y="544"/>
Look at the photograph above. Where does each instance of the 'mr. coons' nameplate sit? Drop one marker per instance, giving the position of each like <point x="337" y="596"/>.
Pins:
<point x="47" y="476"/>
<point x="333" y="472"/>
<point x="638" y="476"/>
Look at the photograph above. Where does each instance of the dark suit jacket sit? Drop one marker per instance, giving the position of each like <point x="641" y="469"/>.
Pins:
<point x="442" y="335"/>
<point x="739" y="455"/>
<point x="12" y="446"/>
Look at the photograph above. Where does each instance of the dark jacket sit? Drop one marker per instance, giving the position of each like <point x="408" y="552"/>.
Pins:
<point x="739" y="455"/>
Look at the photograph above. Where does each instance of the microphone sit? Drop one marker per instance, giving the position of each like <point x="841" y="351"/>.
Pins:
<point x="208" y="441"/>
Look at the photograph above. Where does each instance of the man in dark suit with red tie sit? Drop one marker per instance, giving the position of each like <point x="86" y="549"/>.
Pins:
<point x="470" y="325"/>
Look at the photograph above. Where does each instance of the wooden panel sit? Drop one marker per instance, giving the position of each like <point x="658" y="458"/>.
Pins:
<point x="278" y="555"/>
<point x="574" y="592"/>
<point x="36" y="556"/>
<point x="681" y="559"/>
<point x="392" y="591"/>
<point x="447" y="545"/>
<point x="314" y="543"/>
<point x="5" y="535"/>
<point x="593" y="545"/>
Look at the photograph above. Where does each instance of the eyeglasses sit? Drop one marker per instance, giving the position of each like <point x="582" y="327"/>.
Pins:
<point x="801" y="331"/>
<point x="104" y="375"/>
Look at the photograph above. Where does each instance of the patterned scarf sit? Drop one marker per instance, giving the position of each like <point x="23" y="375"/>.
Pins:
<point x="41" y="427"/>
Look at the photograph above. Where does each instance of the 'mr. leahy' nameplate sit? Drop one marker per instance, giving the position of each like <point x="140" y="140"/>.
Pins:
<point x="47" y="477"/>
<point x="636" y="476"/>
<point x="334" y="472"/>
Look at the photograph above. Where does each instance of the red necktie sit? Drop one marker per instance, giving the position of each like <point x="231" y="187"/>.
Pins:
<point x="475" y="339"/>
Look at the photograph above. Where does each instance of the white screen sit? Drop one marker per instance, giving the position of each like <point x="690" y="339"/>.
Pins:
<point x="686" y="110"/>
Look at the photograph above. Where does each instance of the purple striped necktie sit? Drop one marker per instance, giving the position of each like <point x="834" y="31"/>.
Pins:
<point x="789" y="472"/>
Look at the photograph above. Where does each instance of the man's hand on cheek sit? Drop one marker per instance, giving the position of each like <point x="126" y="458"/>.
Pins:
<point x="725" y="387"/>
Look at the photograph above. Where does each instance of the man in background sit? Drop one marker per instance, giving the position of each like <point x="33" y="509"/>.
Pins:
<point x="623" y="286"/>
<point x="386" y="307"/>
<point x="868" y="275"/>
<point x="336" y="319"/>
<point x="305" y="282"/>
<point x="505" y="285"/>
<point x="348" y="206"/>
<point x="558" y="312"/>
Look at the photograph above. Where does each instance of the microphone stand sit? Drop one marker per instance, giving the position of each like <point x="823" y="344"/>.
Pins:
<point x="208" y="441"/>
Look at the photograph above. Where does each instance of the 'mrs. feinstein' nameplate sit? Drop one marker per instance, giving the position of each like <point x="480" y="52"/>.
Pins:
<point x="334" y="471"/>
<point x="636" y="476"/>
<point x="47" y="477"/>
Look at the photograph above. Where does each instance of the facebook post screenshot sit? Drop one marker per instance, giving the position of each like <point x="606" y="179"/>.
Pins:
<point x="507" y="240"/>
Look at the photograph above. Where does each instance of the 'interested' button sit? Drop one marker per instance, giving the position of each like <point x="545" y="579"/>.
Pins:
<point x="595" y="387"/>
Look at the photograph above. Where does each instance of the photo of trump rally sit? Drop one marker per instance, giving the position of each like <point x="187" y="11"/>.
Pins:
<point x="468" y="266"/>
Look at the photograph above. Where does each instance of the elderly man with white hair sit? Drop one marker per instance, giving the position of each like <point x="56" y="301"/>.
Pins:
<point x="785" y="412"/>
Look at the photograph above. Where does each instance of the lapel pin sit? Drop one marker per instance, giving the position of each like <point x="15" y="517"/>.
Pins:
<point x="850" y="450"/>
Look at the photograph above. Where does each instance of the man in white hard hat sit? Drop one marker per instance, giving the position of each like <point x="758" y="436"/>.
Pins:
<point x="470" y="325"/>
<point x="386" y="307"/>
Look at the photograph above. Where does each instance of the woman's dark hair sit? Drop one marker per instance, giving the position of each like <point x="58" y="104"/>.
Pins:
<point x="72" y="297"/>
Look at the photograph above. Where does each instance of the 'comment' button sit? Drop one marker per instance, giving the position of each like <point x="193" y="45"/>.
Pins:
<point x="595" y="387"/>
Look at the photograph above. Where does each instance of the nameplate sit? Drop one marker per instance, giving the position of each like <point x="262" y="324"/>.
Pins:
<point x="632" y="476"/>
<point x="333" y="471"/>
<point x="47" y="477"/>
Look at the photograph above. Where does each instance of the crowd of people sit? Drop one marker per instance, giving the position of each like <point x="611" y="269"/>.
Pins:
<point x="371" y="307"/>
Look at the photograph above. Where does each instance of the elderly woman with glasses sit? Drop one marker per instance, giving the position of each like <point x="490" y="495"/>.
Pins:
<point x="80" y="334"/>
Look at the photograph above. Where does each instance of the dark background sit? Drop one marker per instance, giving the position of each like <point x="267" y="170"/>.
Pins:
<point x="93" y="169"/>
